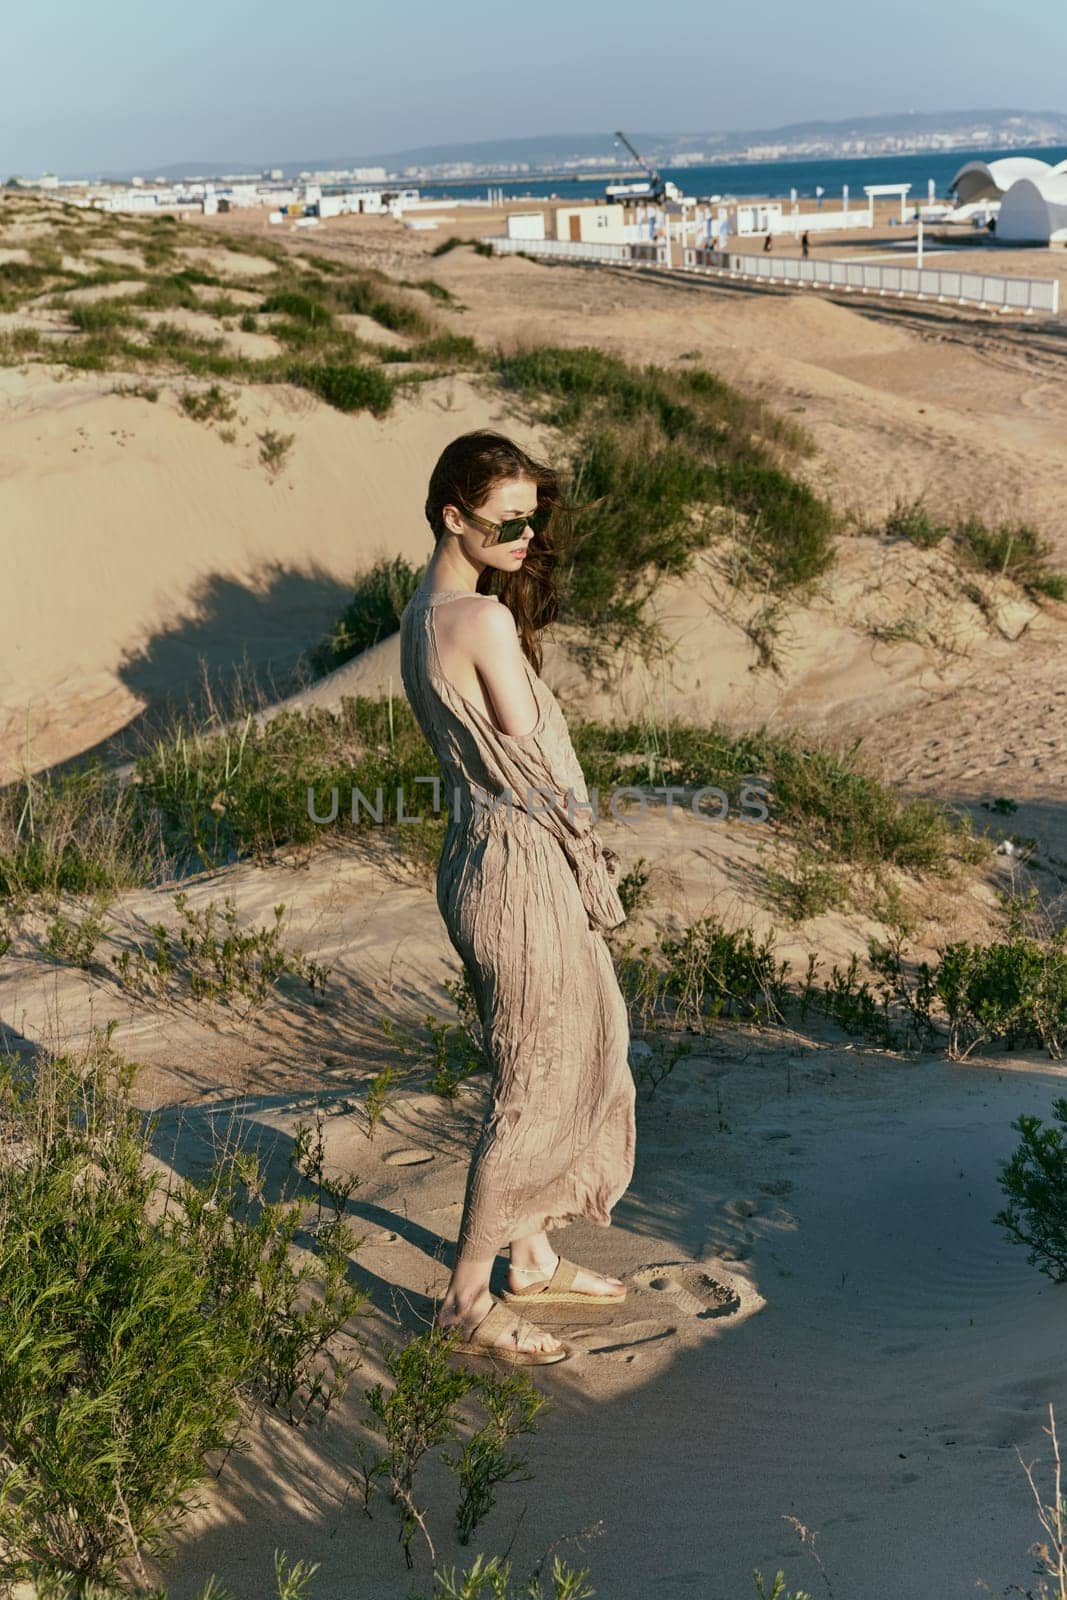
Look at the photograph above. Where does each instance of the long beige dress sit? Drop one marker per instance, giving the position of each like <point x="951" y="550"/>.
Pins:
<point x="526" y="899"/>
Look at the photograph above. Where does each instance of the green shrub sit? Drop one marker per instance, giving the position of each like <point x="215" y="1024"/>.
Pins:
<point x="299" y="306"/>
<point x="448" y="244"/>
<point x="365" y="296"/>
<point x="136" y="1329"/>
<point x="456" y="1049"/>
<point x="655" y="454"/>
<point x="430" y="286"/>
<point x="444" y="348"/>
<point x="115" y="1382"/>
<point x="822" y="796"/>
<point x="208" y="405"/>
<point x="220" y="797"/>
<point x="1012" y="550"/>
<point x="490" y="1578"/>
<point x="101" y="316"/>
<point x="710" y="971"/>
<point x="274" y="449"/>
<point x="1012" y="990"/>
<point x="216" y="959"/>
<point x="1035" y="1182"/>
<point x="346" y="386"/>
<point x="74" y="939"/>
<point x="911" y="520"/>
<point x="422" y="1412"/>
<point x="372" y="614"/>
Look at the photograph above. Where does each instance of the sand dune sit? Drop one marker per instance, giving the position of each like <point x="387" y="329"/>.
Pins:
<point x="186" y="547"/>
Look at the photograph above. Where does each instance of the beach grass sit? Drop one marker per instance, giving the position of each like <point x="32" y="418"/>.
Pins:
<point x="208" y="796"/>
<point x="654" y="455"/>
<point x="1009" y="549"/>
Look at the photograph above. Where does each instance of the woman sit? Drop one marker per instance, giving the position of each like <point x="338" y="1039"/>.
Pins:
<point x="526" y="891"/>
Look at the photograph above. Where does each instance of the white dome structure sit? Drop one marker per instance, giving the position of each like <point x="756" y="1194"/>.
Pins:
<point x="1034" y="211"/>
<point x="991" y="180"/>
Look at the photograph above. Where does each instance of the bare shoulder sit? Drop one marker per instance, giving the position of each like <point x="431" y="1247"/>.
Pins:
<point x="483" y="620"/>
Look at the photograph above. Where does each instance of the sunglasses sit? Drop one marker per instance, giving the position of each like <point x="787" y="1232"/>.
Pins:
<point x="514" y="527"/>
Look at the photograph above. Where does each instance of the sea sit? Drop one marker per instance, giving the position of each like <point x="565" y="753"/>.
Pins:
<point x="762" y="179"/>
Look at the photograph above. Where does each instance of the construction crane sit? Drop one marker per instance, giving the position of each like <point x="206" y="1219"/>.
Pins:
<point x="654" y="187"/>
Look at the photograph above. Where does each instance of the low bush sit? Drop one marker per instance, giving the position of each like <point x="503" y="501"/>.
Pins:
<point x="1035" y="1183"/>
<point x="220" y="797"/>
<point x="448" y="244"/>
<point x="1011" y="550"/>
<point x="371" y="299"/>
<point x="137" y="1329"/>
<point x="708" y="972"/>
<point x="274" y="449"/>
<point x="1010" y="991"/>
<point x="912" y="521"/>
<point x="300" y="306"/>
<point x="655" y="454"/>
<point x="372" y="614"/>
<point x="823" y="798"/>
<point x="347" y="386"/>
<point x="101" y="316"/>
<point x="73" y="939"/>
<point x="208" y="405"/>
<point x="422" y="1412"/>
<point x="216" y="959"/>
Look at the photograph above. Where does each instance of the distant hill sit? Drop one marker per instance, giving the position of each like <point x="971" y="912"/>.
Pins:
<point x="1004" y="124"/>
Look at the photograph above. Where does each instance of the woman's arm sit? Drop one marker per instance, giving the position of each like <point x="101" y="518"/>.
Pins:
<point x="498" y="655"/>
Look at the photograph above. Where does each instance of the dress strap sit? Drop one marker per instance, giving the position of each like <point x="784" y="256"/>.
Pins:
<point x="454" y="594"/>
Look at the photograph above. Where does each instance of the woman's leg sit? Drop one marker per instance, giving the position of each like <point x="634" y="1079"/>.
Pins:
<point x="467" y="1300"/>
<point x="532" y="1257"/>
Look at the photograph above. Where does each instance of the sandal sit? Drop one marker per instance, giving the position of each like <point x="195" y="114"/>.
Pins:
<point x="557" y="1290"/>
<point x="479" y="1341"/>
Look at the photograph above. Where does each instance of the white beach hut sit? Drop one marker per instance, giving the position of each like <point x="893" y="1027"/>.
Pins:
<point x="1034" y="210"/>
<point x="991" y="180"/>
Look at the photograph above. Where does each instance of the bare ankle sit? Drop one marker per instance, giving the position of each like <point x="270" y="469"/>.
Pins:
<point x="459" y="1306"/>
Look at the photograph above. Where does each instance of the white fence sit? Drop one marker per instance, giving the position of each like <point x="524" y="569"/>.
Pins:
<point x="982" y="289"/>
<point x="574" y="250"/>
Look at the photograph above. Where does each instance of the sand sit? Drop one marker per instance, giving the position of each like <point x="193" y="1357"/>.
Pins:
<point x="887" y="1352"/>
<point x="888" y="1348"/>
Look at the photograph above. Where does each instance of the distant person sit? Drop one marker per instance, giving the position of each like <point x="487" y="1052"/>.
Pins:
<point x="992" y="224"/>
<point x="804" y="244"/>
<point x="768" y="244"/>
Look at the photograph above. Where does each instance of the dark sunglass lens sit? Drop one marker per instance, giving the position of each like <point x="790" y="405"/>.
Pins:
<point x="539" y="520"/>
<point x="513" y="529"/>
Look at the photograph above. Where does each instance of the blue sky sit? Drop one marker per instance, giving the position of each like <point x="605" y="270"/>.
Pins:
<point x="114" y="84"/>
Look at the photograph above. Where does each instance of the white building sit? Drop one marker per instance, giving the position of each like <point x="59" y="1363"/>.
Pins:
<point x="991" y="180"/>
<point x="1034" y="210"/>
<point x="526" y="225"/>
<point x="594" y="224"/>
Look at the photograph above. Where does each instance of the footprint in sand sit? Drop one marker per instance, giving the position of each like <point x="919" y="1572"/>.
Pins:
<point x="628" y="1349"/>
<point x="777" y="1186"/>
<point x="689" y="1287"/>
<point x="408" y="1158"/>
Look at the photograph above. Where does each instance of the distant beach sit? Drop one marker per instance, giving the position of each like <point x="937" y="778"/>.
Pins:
<point x="773" y="179"/>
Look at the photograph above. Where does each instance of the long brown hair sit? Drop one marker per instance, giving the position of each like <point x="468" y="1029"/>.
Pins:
<point x="466" y="473"/>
